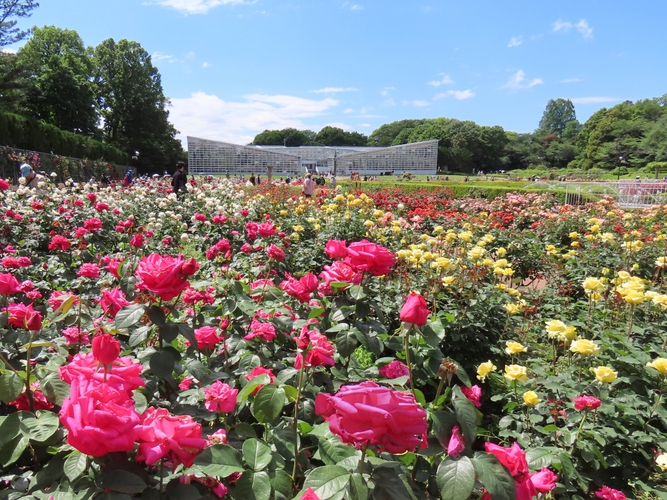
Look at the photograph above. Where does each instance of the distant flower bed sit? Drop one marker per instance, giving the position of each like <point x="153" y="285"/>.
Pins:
<point x="249" y="343"/>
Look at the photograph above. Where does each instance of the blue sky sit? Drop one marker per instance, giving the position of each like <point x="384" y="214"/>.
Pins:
<point x="233" y="68"/>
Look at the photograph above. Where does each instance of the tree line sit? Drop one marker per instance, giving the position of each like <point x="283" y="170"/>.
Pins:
<point x="111" y="93"/>
<point x="630" y="135"/>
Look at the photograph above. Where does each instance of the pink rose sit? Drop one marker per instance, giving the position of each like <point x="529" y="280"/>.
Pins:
<point x="472" y="393"/>
<point x="544" y="480"/>
<point x="264" y="331"/>
<point x="190" y="267"/>
<point x="320" y="349"/>
<point x="22" y="316"/>
<point x="275" y="253"/>
<point x="39" y="401"/>
<point x="369" y="257"/>
<point x="176" y="438"/>
<point x="113" y="301"/>
<point x="59" y="242"/>
<point x="415" y="310"/>
<point x="89" y="271"/>
<point x="266" y="229"/>
<point x="513" y="458"/>
<point x="456" y="442"/>
<point x="105" y="348"/>
<point x="220" y="397"/>
<point x="75" y="336"/>
<point x="137" y="240"/>
<point x="367" y="414"/>
<point x="246" y="248"/>
<point x="162" y="275"/>
<point x="123" y="374"/>
<point x="93" y="224"/>
<point x="336" y="249"/>
<point x="58" y="298"/>
<point x="309" y="495"/>
<point x="185" y="383"/>
<point x="607" y="493"/>
<point x="260" y="370"/>
<point x="8" y="284"/>
<point x="99" y="418"/>
<point x="207" y="337"/>
<point x="340" y="272"/>
<point x="395" y="369"/>
<point x="586" y="403"/>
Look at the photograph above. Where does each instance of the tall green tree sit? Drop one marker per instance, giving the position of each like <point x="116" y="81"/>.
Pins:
<point x="289" y="137"/>
<point x="13" y="83"/>
<point x="557" y="115"/>
<point x="334" y="136"/>
<point x="10" y="10"/>
<point x="60" y="87"/>
<point x="133" y="105"/>
<point x="387" y="134"/>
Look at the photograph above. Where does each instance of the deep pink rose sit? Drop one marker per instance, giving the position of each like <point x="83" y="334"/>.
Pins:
<point x="264" y="331"/>
<point x="89" y="271"/>
<point x="99" y="418"/>
<point x="309" y="495"/>
<point x="58" y="298"/>
<point x="123" y="374"/>
<point x="260" y="370"/>
<point x="415" y="310"/>
<point x="266" y="229"/>
<point x="39" y="401"/>
<point x="340" y="272"/>
<point x="22" y="316"/>
<point x="456" y="442"/>
<point x="586" y="403"/>
<point x="105" y="348"/>
<point x="74" y="335"/>
<point x="513" y="458"/>
<point x="336" y="249"/>
<point x="367" y="414"/>
<point x="301" y="288"/>
<point x="246" y="248"/>
<point x="93" y="224"/>
<point x="162" y="275"/>
<point x="473" y="393"/>
<point x="176" y="438"/>
<point x="113" y="301"/>
<point x="137" y="240"/>
<point x="320" y="349"/>
<point x="395" y="369"/>
<point x="207" y="337"/>
<point x="220" y="397"/>
<point x="59" y="242"/>
<point x="544" y="480"/>
<point x="8" y="284"/>
<point x="275" y="253"/>
<point x="607" y="493"/>
<point x="369" y="257"/>
<point x="190" y="267"/>
<point x="185" y="383"/>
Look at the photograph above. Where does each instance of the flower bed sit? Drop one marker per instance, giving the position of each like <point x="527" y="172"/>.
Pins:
<point x="249" y="343"/>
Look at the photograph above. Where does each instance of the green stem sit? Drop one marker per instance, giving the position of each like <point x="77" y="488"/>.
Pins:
<point x="581" y="426"/>
<point x="630" y="320"/>
<point x="361" y="460"/>
<point x="4" y="360"/>
<point x="161" y="476"/>
<point x="437" y="393"/>
<point x="407" y="358"/>
<point x="28" y="392"/>
<point x="296" y="416"/>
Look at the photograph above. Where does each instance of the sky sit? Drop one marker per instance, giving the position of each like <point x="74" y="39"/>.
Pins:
<point x="233" y="68"/>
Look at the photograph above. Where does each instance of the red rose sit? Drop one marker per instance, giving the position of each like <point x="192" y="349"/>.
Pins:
<point x="586" y="403"/>
<point x="162" y="275"/>
<point x="8" y="284"/>
<point x="93" y="224"/>
<point x="105" y="348"/>
<point x="137" y="240"/>
<point x="369" y="257"/>
<point x="113" y="301"/>
<point x="22" y="316"/>
<point x="161" y="435"/>
<point x="415" y="310"/>
<point x="336" y="249"/>
<point x="513" y="458"/>
<point x="275" y="253"/>
<point x="366" y="414"/>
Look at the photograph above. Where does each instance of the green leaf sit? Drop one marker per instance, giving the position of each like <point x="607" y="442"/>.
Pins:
<point x="346" y="343"/>
<point x="268" y="404"/>
<point x="129" y="315"/>
<point x="12" y="450"/>
<point x="332" y="450"/>
<point x="256" y="454"/>
<point x="55" y="389"/>
<point x="443" y="423"/>
<point x="10" y="427"/>
<point x="550" y="428"/>
<point x="326" y="481"/>
<point x="538" y="458"/>
<point x="357" y="487"/>
<point x="357" y="292"/>
<point x="252" y="384"/>
<point x="188" y="333"/>
<point x="183" y="492"/>
<point x="456" y="478"/>
<point x="465" y="415"/>
<point x="494" y="477"/>
<point x="162" y="363"/>
<point x="156" y="315"/>
<point x="220" y="460"/>
<point x="254" y="486"/>
<point x="139" y="335"/>
<point x="39" y="429"/>
<point x="123" y="482"/>
<point x="11" y="386"/>
<point x="75" y="465"/>
<point x="391" y="482"/>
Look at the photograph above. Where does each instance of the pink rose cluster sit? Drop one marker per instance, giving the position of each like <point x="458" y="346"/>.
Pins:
<point x="100" y="416"/>
<point x="357" y="258"/>
<point x="318" y="348"/>
<point x="164" y="275"/>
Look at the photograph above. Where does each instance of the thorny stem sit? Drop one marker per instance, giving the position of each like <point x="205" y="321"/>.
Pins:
<point x="630" y="315"/>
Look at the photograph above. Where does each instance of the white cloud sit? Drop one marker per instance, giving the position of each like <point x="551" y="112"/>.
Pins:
<point x="205" y="65"/>
<point x="365" y="125"/>
<point x="351" y="6"/>
<point x="446" y="80"/>
<point x="389" y="102"/>
<point x="458" y="94"/>
<point x="419" y="103"/>
<point x="198" y="6"/>
<point x="8" y="51"/>
<point x="191" y="54"/>
<point x="518" y="81"/>
<point x="582" y="27"/>
<point x="515" y="41"/>
<point x="385" y="91"/>
<point x="332" y="90"/>
<point x="159" y="56"/>
<point x="593" y="100"/>
<point x="571" y="80"/>
<point x="208" y="116"/>
<point x="348" y="110"/>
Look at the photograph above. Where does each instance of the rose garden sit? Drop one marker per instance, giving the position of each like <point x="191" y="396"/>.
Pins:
<point x="248" y="343"/>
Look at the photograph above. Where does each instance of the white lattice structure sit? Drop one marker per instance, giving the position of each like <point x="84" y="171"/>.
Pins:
<point x="626" y="193"/>
<point x="220" y="158"/>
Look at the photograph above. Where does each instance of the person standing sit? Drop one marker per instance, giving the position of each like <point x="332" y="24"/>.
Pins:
<point x="180" y="179"/>
<point x="308" y="187"/>
<point x="333" y="182"/>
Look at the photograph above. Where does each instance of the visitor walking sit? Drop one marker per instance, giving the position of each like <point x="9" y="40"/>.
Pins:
<point x="179" y="180"/>
<point x="308" y="187"/>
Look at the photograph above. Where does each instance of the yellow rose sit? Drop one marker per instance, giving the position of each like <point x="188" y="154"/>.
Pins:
<point x="516" y="372"/>
<point x="514" y="348"/>
<point x="585" y="347"/>
<point x="512" y="308"/>
<point x="574" y="235"/>
<point x="555" y="328"/>
<point x="634" y="297"/>
<point x="501" y="252"/>
<point x="659" y="364"/>
<point x="570" y="333"/>
<point x="604" y="374"/>
<point x="531" y="398"/>
<point x="661" y="461"/>
<point x="485" y="369"/>
<point x="661" y="262"/>
<point x="593" y="285"/>
<point x="476" y="253"/>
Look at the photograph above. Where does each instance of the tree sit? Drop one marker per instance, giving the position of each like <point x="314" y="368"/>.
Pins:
<point x="386" y="134"/>
<point x="13" y="83"/>
<point x="133" y="105"/>
<point x="557" y="115"/>
<point x="9" y="10"/>
<point x="60" y="89"/>
<point x="334" y="136"/>
<point x="289" y="137"/>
